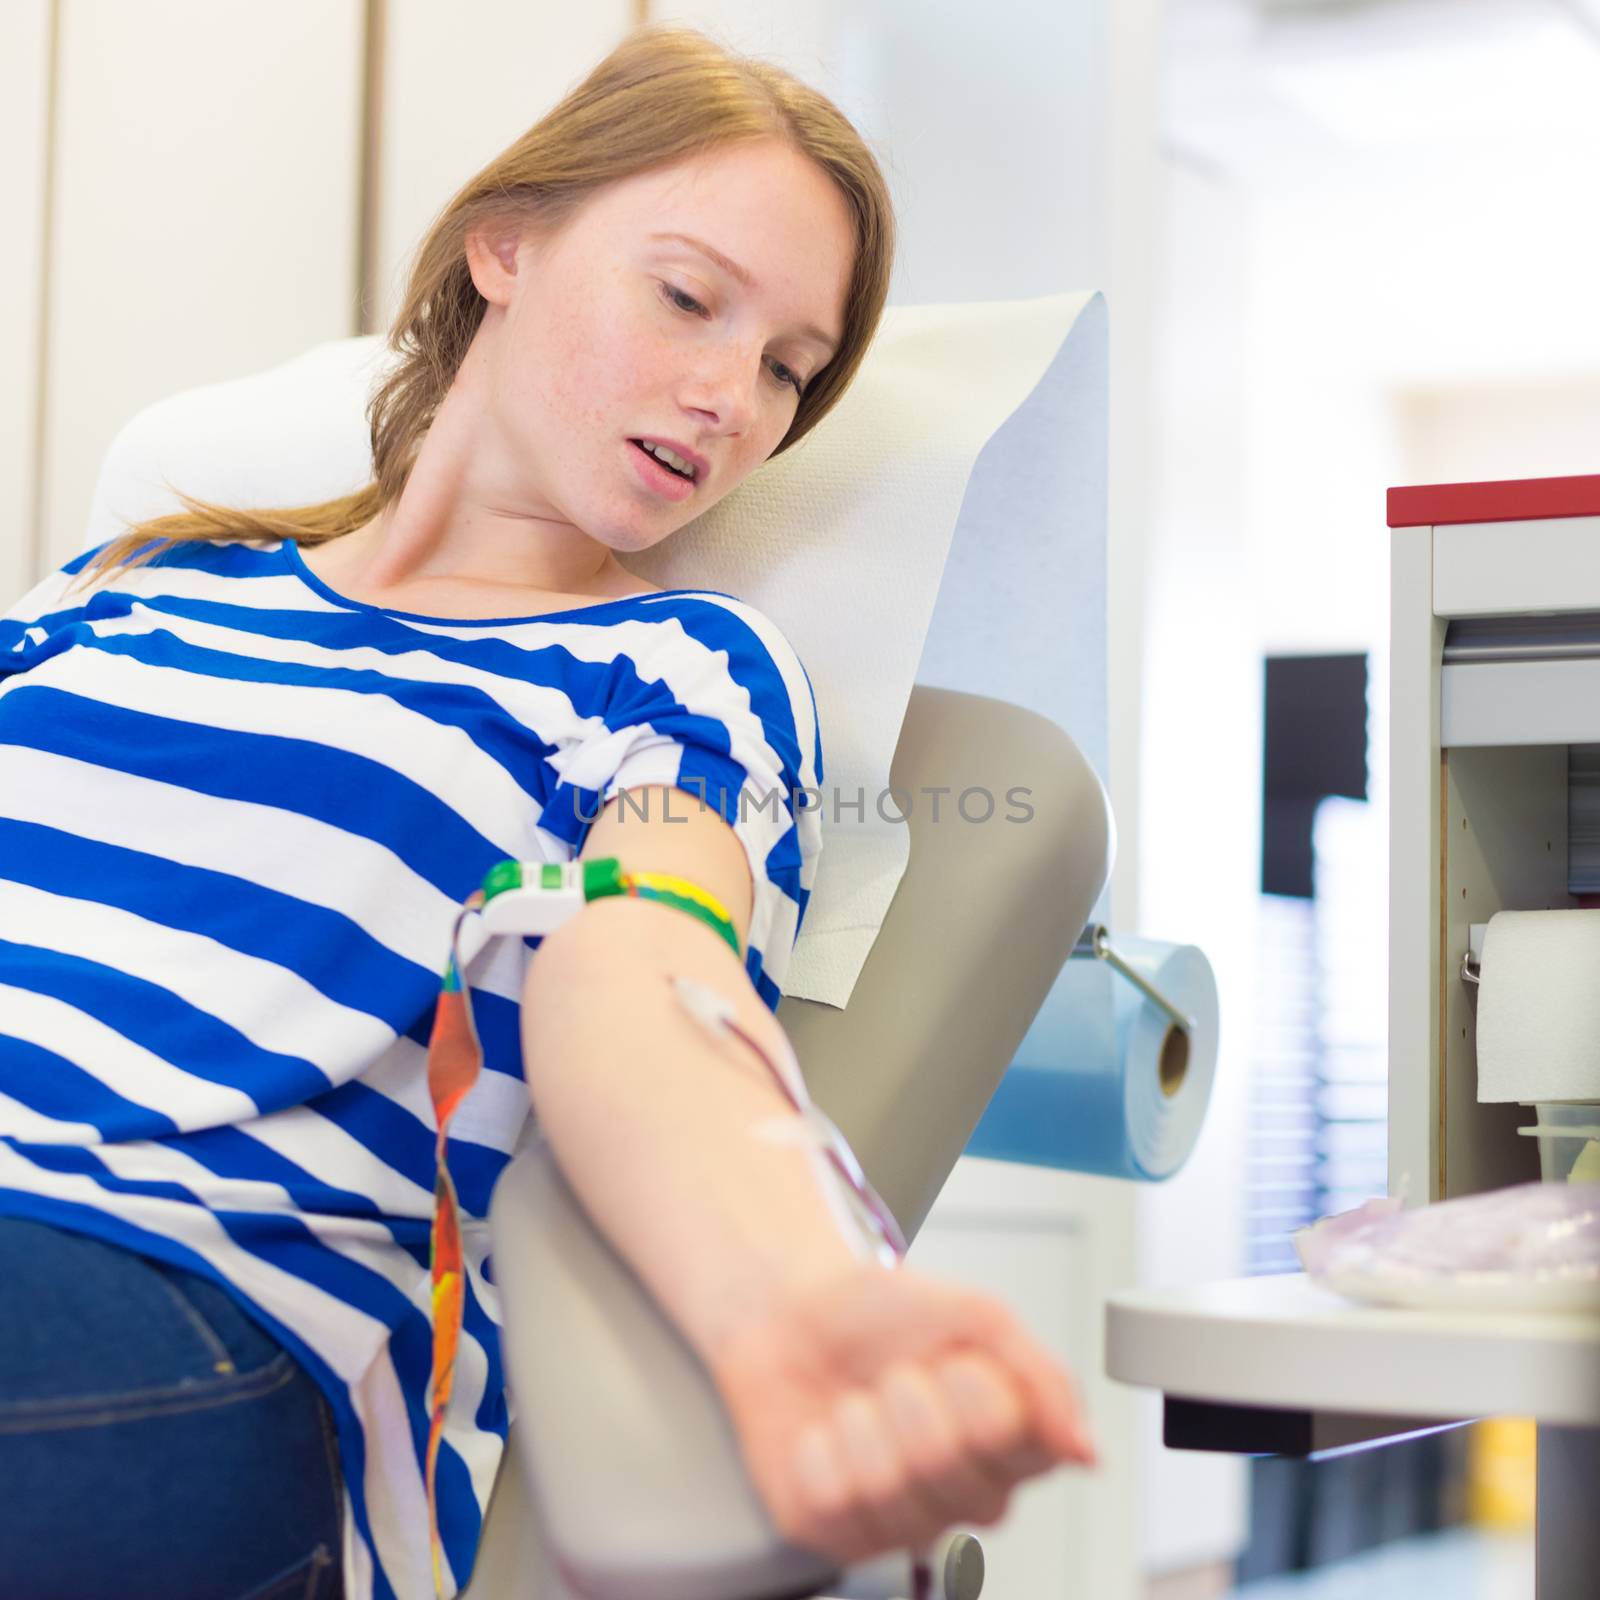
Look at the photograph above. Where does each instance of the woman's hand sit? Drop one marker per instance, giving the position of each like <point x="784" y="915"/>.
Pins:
<point x="882" y="1407"/>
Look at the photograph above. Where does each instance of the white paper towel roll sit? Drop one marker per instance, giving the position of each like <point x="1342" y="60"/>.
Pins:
<point x="1539" y="1007"/>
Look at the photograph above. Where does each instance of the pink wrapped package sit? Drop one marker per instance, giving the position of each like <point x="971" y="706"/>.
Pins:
<point x="1532" y="1247"/>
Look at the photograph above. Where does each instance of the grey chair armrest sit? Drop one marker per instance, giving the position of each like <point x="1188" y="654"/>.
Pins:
<point x="633" y="1468"/>
<point x="980" y="927"/>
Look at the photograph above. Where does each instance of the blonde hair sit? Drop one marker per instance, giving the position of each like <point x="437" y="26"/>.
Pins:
<point x="664" y="94"/>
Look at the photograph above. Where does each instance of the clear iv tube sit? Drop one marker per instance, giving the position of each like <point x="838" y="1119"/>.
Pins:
<point x="716" y="1015"/>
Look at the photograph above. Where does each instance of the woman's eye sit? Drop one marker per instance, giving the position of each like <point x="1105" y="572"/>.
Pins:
<point x="688" y="304"/>
<point x="682" y="301"/>
<point x="784" y="375"/>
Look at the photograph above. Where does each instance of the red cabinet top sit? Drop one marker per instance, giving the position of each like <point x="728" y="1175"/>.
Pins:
<point x="1515" y="500"/>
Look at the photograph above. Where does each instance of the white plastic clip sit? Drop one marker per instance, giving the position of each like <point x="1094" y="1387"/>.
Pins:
<point x="532" y="910"/>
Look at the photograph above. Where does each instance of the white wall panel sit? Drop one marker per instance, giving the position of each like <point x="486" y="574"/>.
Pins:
<point x="454" y="96"/>
<point x="1019" y="140"/>
<point x="206" y="205"/>
<point x="1043" y="1544"/>
<point x="1046" y="1243"/>
<point x="1201" y="797"/>
<point x="24" y="133"/>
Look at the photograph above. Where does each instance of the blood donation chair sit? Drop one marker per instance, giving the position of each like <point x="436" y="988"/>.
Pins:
<point x="622" y="1479"/>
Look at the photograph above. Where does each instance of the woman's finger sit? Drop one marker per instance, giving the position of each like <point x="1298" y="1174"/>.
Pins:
<point x="897" y="1507"/>
<point x="932" y="1442"/>
<point x="1049" y="1394"/>
<point x="991" y="1410"/>
<point x="1050" y="1397"/>
<point x="834" y="1522"/>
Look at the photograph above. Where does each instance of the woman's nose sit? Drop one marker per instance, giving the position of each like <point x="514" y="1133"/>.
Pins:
<point x="724" y="390"/>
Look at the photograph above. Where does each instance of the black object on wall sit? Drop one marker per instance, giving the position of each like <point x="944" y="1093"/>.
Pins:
<point x="1316" y="745"/>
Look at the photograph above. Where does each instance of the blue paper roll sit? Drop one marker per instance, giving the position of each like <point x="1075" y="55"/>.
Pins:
<point x="1104" y="1082"/>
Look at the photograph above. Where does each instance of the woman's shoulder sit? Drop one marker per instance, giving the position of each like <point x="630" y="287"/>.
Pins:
<point x="732" y="657"/>
<point x="725" y="622"/>
<point x="143" y="570"/>
<point x="157" y="554"/>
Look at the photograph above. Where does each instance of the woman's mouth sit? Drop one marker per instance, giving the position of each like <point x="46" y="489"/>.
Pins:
<point x="658" y="475"/>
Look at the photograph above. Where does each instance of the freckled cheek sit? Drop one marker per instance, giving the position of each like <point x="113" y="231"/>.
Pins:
<point x="561" y="392"/>
<point x="629" y="352"/>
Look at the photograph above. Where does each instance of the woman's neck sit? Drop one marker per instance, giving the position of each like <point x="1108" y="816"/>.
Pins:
<point x="455" y="523"/>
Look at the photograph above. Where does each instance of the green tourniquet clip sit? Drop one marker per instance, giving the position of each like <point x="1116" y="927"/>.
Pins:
<point x="501" y="876"/>
<point x="603" y="877"/>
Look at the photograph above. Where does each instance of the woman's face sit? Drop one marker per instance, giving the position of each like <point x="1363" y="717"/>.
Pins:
<point x="627" y="327"/>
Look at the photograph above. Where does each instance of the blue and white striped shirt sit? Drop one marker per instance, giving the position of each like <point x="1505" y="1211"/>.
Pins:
<point x="237" y="814"/>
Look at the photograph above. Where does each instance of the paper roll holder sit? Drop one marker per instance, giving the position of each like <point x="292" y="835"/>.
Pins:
<point x="1095" y="942"/>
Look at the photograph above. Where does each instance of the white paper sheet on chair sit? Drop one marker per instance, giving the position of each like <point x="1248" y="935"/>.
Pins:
<point x="971" y="448"/>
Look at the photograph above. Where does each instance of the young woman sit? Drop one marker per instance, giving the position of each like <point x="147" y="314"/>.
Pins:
<point x="250" y="766"/>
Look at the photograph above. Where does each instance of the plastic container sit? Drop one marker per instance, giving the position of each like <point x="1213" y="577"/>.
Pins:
<point x="1569" y="1140"/>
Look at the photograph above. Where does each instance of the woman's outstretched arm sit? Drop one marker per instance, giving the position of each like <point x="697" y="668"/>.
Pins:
<point x="875" y="1408"/>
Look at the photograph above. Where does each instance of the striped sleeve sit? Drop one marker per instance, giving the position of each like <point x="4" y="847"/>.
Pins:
<point x="27" y="623"/>
<point x="723" y="709"/>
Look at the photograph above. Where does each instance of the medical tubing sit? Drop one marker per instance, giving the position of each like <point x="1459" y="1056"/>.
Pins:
<point x="454" y="1060"/>
<point x="716" y="1015"/>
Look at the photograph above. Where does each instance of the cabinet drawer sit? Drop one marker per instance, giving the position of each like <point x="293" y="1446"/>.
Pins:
<point x="1487" y="569"/>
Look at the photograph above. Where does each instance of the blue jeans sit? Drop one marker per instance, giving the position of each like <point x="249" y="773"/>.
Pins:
<point x="155" y="1441"/>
